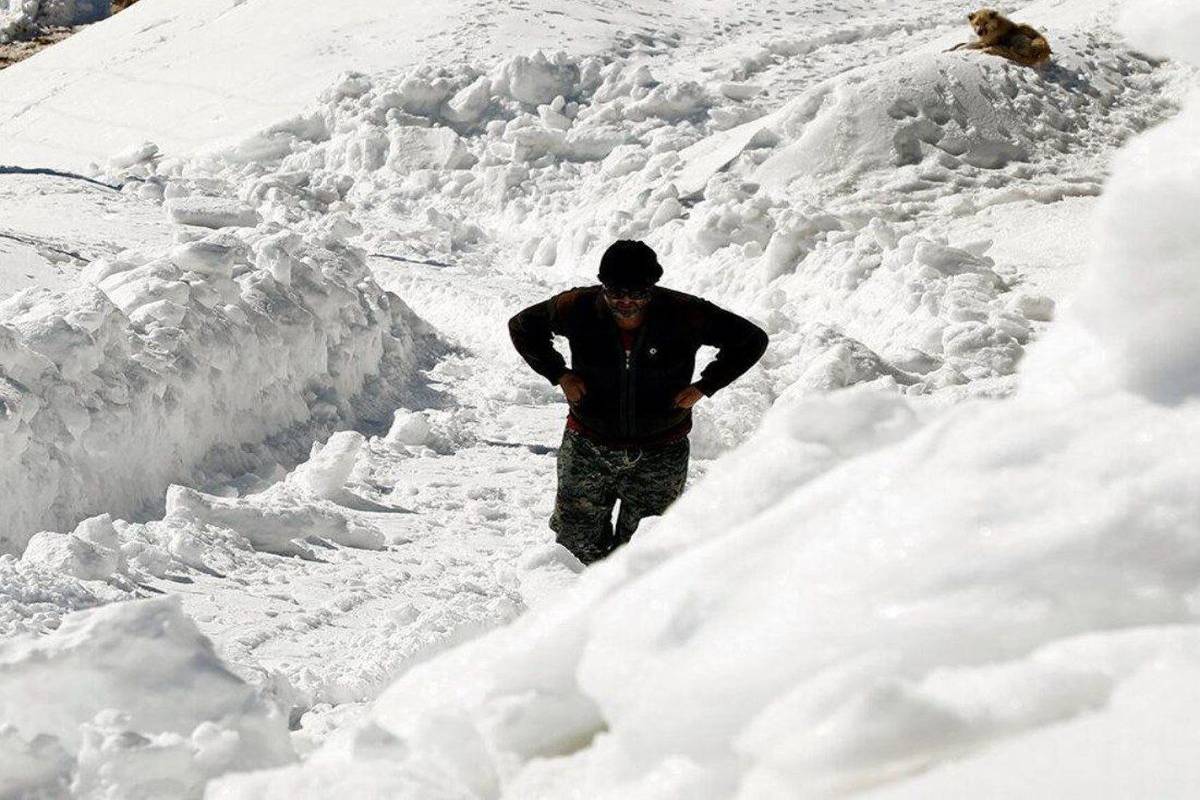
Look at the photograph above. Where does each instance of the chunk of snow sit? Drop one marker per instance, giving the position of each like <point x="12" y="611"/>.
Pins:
<point x="328" y="468"/>
<point x="135" y="699"/>
<point x="274" y="523"/>
<point x="71" y="555"/>
<point x="426" y="148"/>
<point x="409" y="428"/>
<point x="132" y="156"/>
<point x="211" y="212"/>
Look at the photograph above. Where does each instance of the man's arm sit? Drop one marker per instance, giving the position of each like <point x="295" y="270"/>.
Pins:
<point x="739" y="342"/>
<point x="532" y="332"/>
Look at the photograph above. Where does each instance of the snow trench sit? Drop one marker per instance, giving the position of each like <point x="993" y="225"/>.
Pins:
<point x="174" y="366"/>
<point x="860" y="601"/>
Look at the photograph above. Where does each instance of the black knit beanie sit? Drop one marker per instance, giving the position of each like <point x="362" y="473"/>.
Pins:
<point x="628" y="264"/>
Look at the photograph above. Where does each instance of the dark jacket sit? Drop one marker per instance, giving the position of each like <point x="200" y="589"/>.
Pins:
<point x="634" y="399"/>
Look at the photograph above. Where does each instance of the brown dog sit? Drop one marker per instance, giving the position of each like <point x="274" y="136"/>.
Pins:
<point x="1000" y="36"/>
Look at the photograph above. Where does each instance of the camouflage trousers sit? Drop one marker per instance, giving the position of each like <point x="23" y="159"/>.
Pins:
<point x="592" y="477"/>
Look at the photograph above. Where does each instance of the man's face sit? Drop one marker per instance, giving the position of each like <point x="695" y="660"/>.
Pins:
<point x="626" y="303"/>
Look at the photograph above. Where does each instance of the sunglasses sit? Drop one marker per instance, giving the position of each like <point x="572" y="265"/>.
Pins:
<point x="627" y="294"/>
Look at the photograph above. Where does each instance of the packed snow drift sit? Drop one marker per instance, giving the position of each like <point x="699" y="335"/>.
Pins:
<point x="274" y="485"/>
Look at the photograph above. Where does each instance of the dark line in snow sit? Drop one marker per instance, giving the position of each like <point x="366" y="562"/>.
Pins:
<point x="429" y="263"/>
<point x="537" y="449"/>
<point x="36" y="243"/>
<point x="6" y="169"/>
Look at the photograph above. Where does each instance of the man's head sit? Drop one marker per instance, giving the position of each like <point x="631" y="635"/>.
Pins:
<point x="628" y="270"/>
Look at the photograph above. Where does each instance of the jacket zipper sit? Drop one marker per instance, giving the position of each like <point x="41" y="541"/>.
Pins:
<point x="624" y="405"/>
<point x="630" y="386"/>
<point x="625" y="402"/>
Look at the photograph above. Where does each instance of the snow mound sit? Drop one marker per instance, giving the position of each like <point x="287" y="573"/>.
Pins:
<point x="941" y="315"/>
<point x="128" y="700"/>
<point x="20" y="19"/>
<point x="158" y="368"/>
<point x="954" y="109"/>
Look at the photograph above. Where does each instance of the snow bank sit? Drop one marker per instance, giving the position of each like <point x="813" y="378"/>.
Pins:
<point x="1141" y="297"/>
<point x="163" y="364"/>
<point x="22" y="18"/>
<point x="160" y="713"/>
<point x="859" y="595"/>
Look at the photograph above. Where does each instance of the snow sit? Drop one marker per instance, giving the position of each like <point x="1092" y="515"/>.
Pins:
<point x="55" y="225"/>
<point x="200" y="719"/>
<point x="182" y="75"/>
<point x="1140" y="294"/>
<point x="938" y="543"/>
<point x="560" y="153"/>
<point x="915" y="591"/>
<point x="162" y="364"/>
<point x="21" y="18"/>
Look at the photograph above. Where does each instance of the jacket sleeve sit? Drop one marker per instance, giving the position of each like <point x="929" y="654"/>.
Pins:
<point x="532" y="331"/>
<point x="739" y="342"/>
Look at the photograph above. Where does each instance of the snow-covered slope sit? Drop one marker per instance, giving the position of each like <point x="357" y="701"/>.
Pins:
<point x="896" y="577"/>
<point x="186" y="73"/>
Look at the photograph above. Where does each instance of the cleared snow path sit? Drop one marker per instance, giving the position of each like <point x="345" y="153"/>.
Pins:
<point x="333" y="631"/>
<point x="468" y="547"/>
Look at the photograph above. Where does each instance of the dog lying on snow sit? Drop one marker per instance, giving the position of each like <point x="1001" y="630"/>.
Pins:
<point x="1000" y="36"/>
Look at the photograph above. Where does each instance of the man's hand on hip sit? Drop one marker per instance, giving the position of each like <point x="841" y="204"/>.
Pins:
<point x="572" y="386"/>
<point x="688" y="397"/>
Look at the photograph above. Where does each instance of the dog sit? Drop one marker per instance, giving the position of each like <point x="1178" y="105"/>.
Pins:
<point x="1000" y="36"/>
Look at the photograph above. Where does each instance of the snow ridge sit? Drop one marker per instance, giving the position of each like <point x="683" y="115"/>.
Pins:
<point x="163" y="364"/>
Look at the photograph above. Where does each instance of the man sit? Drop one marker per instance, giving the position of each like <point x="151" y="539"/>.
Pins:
<point x="630" y="391"/>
